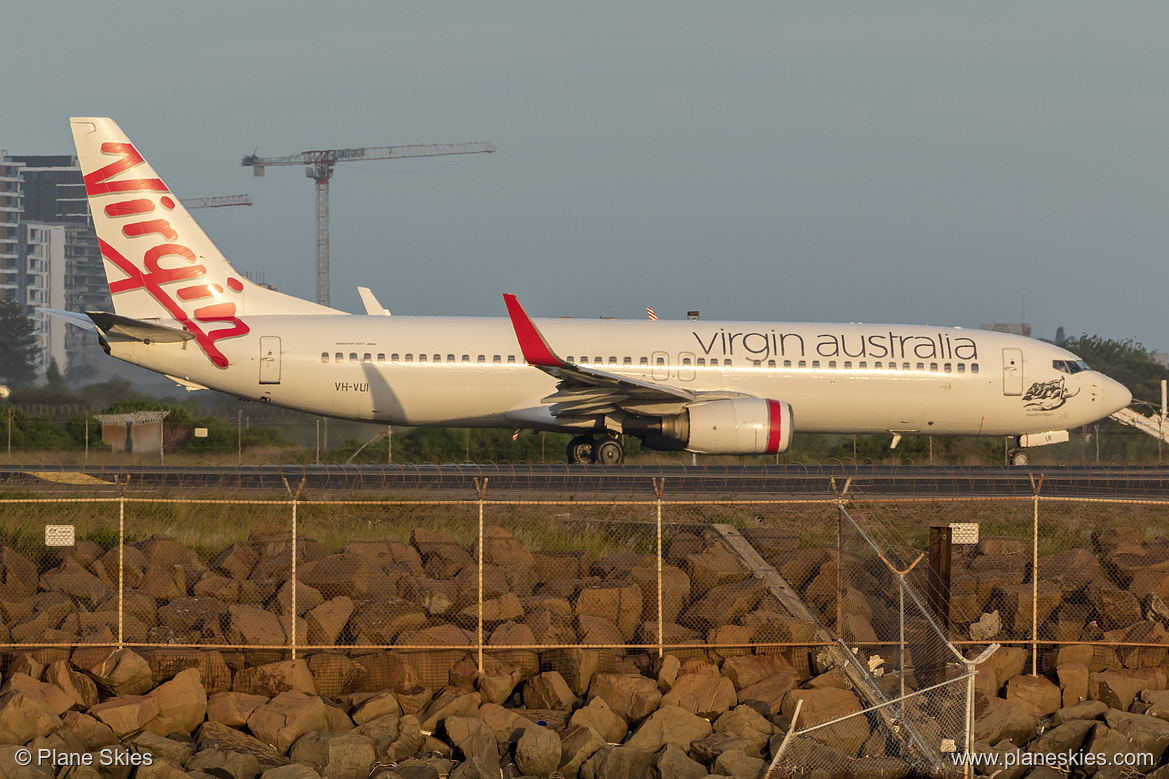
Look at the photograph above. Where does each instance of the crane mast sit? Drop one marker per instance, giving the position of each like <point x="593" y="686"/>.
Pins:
<point x="319" y="166"/>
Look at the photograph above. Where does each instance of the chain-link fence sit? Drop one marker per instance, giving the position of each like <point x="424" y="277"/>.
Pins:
<point x="839" y="604"/>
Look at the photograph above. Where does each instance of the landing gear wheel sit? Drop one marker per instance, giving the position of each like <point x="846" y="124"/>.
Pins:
<point x="580" y="450"/>
<point x="1020" y="457"/>
<point x="608" y="451"/>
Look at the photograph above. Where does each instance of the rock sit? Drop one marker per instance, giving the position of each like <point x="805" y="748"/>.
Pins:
<point x="233" y="708"/>
<point x="618" y="763"/>
<point x="79" y="688"/>
<point x="216" y="735"/>
<point x="1004" y="720"/>
<point x="219" y="762"/>
<point x="1147" y="734"/>
<point x="388" y="671"/>
<point x="1037" y="695"/>
<point x="335" y="674"/>
<point x="671" y="762"/>
<point x="126" y="713"/>
<point x="294" y="771"/>
<point x="575" y="665"/>
<point x="538" y="751"/>
<point x="285" y="718"/>
<point x="50" y="694"/>
<point x="1015" y="601"/>
<point x="621" y="604"/>
<point x="829" y="704"/>
<point x="737" y="763"/>
<point x="1063" y="738"/>
<point x="746" y="723"/>
<point x="121" y="672"/>
<point x="598" y="716"/>
<point x="377" y="705"/>
<point x="252" y="625"/>
<point x="768" y="694"/>
<point x="1116" y="608"/>
<point x="1073" y="683"/>
<point x="18" y="574"/>
<point x="182" y="704"/>
<point x="746" y="670"/>
<point x="1118" y="689"/>
<point x="471" y="737"/>
<point x="93" y="733"/>
<point x="162" y="748"/>
<point x="1085" y="710"/>
<point x="505" y="725"/>
<point x="326" y="621"/>
<point x="630" y="696"/>
<point x="669" y="724"/>
<point x="987" y="627"/>
<point x="706" y="696"/>
<point x="274" y="678"/>
<point x="442" y="557"/>
<point x="577" y="744"/>
<point x="711" y="568"/>
<point x="724" y="604"/>
<point x="549" y="691"/>
<point x="451" y="702"/>
<point x="24" y="717"/>
<point x="335" y="755"/>
<point x="675" y="589"/>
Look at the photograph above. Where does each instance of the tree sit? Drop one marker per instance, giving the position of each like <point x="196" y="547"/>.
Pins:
<point x="1126" y="361"/>
<point x="17" y="345"/>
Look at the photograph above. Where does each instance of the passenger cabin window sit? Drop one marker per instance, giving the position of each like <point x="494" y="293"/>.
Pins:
<point x="848" y="365"/>
<point x="660" y="361"/>
<point x="771" y="363"/>
<point x="409" y="358"/>
<point x="921" y="366"/>
<point x="353" y="357"/>
<point x="613" y="361"/>
<point x="832" y="365"/>
<point x="787" y="363"/>
<point x="686" y="361"/>
<point x="701" y="362"/>
<point x="481" y="359"/>
<point x="643" y="362"/>
<point x="324" y="356"/>
<point x="628" y="361"/>
<point x="466" y="358"/>
<point x="438" y="358"/>
<point x="381" y="357"/>
<point x="974" y="367"/>
<point x="803" y="364"/>
<point x="422" y="358"/>
<point x="511" y="359"/>
<point x="450" y="358"/>
<point x="339" y="357"/>
<point x="496" y="359"/>
<point x="933" y="367"/>
<point x="367" y="357"/>
<point x="948" y="368"/>
<point x="864" y="366"/>
<point x="394" y="357"/>
<point x="961" y="367"/>
<point x="756" y="364"/>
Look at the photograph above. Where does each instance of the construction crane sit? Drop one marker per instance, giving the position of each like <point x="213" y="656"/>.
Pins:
<point x="319" y="167"/>
<point x="218" y="202"/>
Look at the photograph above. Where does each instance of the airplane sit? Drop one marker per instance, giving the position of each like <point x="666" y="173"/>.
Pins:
<point x="734" y="388"/>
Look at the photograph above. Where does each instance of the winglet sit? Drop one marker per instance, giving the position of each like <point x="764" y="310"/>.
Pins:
<point x="536" y="350"/>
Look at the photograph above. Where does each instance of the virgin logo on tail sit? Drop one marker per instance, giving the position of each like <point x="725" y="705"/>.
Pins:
<point x="146" y="224"/>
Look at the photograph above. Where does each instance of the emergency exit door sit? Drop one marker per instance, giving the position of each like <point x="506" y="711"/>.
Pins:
<point x="270" y="359"/>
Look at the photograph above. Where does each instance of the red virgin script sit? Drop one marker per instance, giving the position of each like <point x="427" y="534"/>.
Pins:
<point x="147" y="272"/>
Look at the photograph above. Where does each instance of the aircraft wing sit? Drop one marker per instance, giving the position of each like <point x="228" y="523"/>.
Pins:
<point x="584" y="390"/>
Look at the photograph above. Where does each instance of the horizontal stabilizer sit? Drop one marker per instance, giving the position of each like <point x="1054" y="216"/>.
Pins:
<point x="77" y="320"/>
<point x="137" y="330"/>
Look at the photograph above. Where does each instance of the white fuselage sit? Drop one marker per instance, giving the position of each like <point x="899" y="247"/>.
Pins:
<point x="469" y="372"/>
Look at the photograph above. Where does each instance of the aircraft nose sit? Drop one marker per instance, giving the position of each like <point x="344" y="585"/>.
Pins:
<point x="1113" y="395"/>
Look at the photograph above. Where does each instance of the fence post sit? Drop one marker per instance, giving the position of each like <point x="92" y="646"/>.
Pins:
<point x="1035" y="580"/>
<point x="659" y="487"/>
<point x="292" y="616"/>
<point x="481" y="488"/>
<point x="122" y="562"/>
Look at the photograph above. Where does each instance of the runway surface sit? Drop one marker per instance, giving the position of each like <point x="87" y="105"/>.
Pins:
<point x="630" y="482"/>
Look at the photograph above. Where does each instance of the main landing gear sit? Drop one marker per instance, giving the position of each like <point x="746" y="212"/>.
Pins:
<point x="1020" y="457"/>
<point x="602" y="450"/>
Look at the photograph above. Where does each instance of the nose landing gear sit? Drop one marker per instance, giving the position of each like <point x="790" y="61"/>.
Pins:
<point x="602" y="450"/>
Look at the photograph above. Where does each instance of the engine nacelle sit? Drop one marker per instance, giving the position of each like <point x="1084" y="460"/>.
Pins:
<point x="737" y="426"/>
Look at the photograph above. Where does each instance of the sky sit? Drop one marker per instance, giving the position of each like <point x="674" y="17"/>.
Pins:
<point x="893" y="162"/>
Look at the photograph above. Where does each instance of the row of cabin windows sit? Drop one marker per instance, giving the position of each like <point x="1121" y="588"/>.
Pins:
<point x="831" y="365"/>
<point x="368" y="357"/>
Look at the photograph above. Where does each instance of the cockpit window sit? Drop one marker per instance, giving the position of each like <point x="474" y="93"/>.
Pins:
<point x="1069" y="366"/>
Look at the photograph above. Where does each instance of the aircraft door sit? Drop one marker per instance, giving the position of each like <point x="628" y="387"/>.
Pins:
<point x="1012" y="371"/>
<point x="686" y="366"/>
<point x="661" y="366"/>
<point x="270" y="359"/>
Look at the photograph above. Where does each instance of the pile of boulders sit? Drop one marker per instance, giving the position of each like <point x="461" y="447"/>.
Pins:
<point x="388" y="678"/>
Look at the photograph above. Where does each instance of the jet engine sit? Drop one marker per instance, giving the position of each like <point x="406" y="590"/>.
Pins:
<point x="735" y="426"/>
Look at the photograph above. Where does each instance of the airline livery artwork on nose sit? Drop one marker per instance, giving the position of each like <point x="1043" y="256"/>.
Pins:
<point x="716" y="388"/>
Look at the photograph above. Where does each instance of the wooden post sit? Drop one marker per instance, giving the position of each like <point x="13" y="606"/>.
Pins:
<point x="939" y="576"/>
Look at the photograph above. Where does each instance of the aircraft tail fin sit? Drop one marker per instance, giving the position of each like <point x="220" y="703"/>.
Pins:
<point x="159" y="263"/>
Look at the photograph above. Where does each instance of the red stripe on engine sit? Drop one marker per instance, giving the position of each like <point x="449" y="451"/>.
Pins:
<point x="775" y="417"/>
